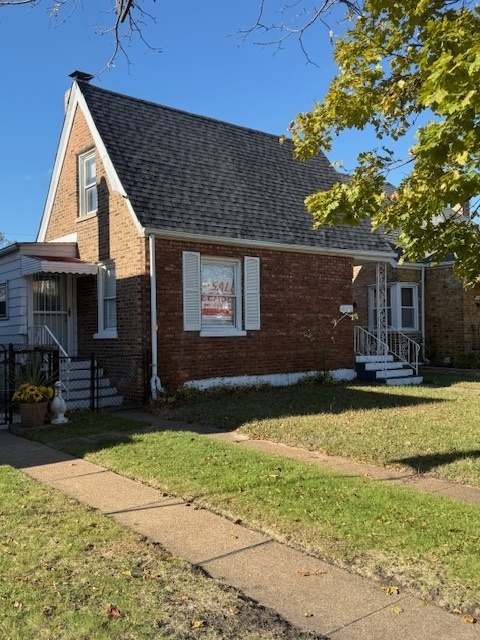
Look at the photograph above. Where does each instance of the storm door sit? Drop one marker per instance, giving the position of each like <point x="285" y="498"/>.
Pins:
<point x="52" y="305"/>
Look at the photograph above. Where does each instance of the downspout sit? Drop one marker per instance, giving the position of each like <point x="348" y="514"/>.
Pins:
<point x="423" y="312"/>
<point x="155" y="384"/>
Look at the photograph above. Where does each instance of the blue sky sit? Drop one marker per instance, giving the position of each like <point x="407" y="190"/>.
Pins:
<point x="202" y="68"/>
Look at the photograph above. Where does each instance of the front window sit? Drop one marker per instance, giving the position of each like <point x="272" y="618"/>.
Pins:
<point x="214" y="298"/>
<point x="88" y="183"/>
<point x="218" y="294"/>
<point x="402" y="306"/>
<point x="107" y="301"/>
<point x="408" y="306"/>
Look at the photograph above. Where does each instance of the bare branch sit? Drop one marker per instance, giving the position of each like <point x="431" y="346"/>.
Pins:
<point x="296" y="19"/>
<point x="128" y="21"/>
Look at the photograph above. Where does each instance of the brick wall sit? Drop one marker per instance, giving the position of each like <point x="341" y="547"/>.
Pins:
<point x="452" y="314"/>
<point x="299" y="293"/>
<point x="110" y="234"/>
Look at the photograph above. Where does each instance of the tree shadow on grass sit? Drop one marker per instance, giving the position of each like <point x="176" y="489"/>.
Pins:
<point x="426" y="462"/>
<point x="232" y="410"/>
<point x="211" y="413"/>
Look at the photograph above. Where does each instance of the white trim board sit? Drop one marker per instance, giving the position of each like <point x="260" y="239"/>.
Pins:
<point x="274" y="379"/>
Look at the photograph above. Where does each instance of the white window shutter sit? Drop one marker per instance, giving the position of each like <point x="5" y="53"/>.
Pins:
<point x="252" y="292"/>
<point x="191" y="291"/>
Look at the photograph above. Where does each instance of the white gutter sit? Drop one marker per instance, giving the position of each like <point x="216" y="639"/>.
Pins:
<point x="155" y="384"/>
<point x="377" y="256"/>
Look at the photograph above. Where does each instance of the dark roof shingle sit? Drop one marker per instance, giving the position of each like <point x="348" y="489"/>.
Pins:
<point x="192" y="174"/>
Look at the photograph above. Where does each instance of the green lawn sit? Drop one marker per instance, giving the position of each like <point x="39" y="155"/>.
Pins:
<point x="69" y="573"/>
<point x="401" y="536"/>
<point x="434" y="427"/>
<point x="428" y="543"/>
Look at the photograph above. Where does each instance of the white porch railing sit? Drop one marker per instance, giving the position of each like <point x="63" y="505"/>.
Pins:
<point x="398" y="344"/>
<point x="41" y="336"/>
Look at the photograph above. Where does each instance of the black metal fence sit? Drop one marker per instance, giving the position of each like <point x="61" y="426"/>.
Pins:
<point x="89" y="383"/>
<point x="15" y="362"/>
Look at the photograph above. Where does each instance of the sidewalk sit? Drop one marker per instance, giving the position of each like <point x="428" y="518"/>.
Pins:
<point x="309" y="593"/>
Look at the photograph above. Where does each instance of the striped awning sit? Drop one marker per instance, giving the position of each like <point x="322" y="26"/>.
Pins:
<point x="56" y="264"/>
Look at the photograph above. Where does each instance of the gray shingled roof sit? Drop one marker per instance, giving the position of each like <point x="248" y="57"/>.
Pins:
<point x="187" y="173"/>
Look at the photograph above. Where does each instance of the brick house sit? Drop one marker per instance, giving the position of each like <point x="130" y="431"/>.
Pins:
<point x="427" y="303"/>
<point x="193" y="248"/>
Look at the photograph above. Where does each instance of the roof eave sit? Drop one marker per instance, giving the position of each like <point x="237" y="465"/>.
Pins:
<point x="373" y="256"/>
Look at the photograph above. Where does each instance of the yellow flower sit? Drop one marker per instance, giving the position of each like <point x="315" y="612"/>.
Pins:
<point x="32" y="393"/>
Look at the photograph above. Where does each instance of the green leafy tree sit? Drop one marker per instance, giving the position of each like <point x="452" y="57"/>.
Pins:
<point x="400" y="63"/>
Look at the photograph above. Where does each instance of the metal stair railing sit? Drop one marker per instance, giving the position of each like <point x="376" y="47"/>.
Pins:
<point x="399" y="345"/>
<point x="42" y="336"/>
<point x="404" y="348"/>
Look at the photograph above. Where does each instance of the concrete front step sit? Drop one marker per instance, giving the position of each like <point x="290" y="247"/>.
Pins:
<point x="76" y="375"/>
<point x="407" y="381"/>
<point x="103" y="392"/>
<point x="381" y="366"/>
<point x="393" y="373"/>
<point x="385" y="369"/>
<point x="102" y="403"/>
<point x="377" y="358"/>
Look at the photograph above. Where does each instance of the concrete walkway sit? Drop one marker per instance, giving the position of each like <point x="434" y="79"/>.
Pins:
<point x="309" y="593"/>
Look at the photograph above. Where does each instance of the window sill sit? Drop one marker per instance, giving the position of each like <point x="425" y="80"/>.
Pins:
<point x="232" y="333"/>
<point x="86" y="216"/>
<point x="105" y="335"/>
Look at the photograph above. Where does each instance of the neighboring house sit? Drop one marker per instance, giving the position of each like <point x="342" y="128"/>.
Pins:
<point x="428" y="304"/>
<point x="179" y="249"/>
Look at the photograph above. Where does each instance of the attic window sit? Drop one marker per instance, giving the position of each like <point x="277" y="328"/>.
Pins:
<point x="87" y="170"/>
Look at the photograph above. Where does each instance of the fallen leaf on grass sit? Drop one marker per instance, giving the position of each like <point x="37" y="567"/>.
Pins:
<point x="391" y="590"/>
<point x="198" y="624"/>
<point x="396" y="610"/>
<point x="18" y="605"/>
<point x="48" y="610"/>
<point x="469" y="619"/>
<point x="112" y="612"/>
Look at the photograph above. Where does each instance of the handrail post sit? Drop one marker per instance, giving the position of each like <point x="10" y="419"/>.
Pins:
<point x="10" y="382"/>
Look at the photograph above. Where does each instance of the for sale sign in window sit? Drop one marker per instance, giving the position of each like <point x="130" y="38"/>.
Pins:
<point x="218" y="295"/>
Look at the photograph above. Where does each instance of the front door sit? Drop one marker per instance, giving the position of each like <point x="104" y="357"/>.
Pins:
<point x="52" y="304"/>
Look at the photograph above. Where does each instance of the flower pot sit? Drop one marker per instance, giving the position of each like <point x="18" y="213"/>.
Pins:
<point x="33" y="413"/>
